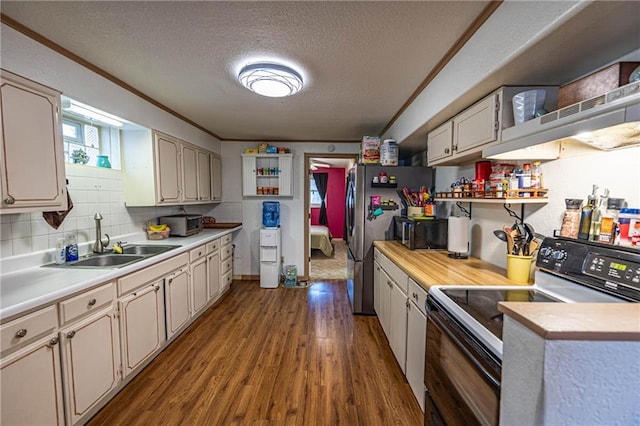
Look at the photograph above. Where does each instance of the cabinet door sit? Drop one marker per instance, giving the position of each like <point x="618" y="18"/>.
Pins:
<point x="213" y="271"/>
<point x="398" y="325"/>
<point x="249" y="185"/>
<point x="204" y="176"/>
<point x="285" y="178"/>
<point x="199" y="287"/>
<point x="168" y="174"/>
<point x="190" y="173"/>
<point x="177" y="301"/>
<point x="216" y="178"/>
<point x="477" y="125"/>
<point x="141" y="325"/>
<point x="30" y="123"/>
<point x="439" y="142"/>
<point x="416" y="334"/>
<point x="385" y="302"/>
<point x="31" y="385"/>
<point x="91" y="361"/>
<point x="377" y="283"/>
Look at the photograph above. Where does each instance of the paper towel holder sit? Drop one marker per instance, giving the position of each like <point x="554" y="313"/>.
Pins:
<point x="458" y="255"/>
<point x="458" y="237"/>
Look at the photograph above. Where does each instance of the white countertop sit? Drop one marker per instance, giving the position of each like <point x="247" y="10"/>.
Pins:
<point x="32" y="287"/>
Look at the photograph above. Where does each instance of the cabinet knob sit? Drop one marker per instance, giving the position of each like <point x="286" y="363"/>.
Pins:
<point x="199" y="253"/>
<point x="156" y="287"/>
<point x="161" y="198"/>
<point x="21" y="333"/>
<point x="455" y="147"/>
<point x="54" y="341"/>
<point x="92" y="302"/>
<point x="170" y="280"/>
<point x="71" y="334"/>
<point x="407" y="304"/>
<point x="9" y="200"/>
<point x="447" y="150"/>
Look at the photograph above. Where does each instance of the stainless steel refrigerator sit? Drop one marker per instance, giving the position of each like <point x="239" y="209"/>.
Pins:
<point x="362" y="230"/>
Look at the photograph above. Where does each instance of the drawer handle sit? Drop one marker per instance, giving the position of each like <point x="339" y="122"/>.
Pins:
<point x="199" y="253"/>
<point x="92" y="302"/>
<point x="9" y="200"/>
<point x="53" y="341"/>
<point x="71" y="334"/>
<point x="21" y="333"/>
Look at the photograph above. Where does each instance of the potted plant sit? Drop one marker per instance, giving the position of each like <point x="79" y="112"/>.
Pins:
<point x="79" y="156"/>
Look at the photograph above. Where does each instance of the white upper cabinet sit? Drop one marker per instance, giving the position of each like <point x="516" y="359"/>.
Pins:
<point x="462" y="138"/>
<point x="216" y="177"/>
<point x="267" y="174"/>
<point x="163" y="170"/>
<point x="31" y="151"/>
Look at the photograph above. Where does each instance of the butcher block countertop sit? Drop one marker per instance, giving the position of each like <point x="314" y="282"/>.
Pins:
<point x="578" y="321"/>
<point x="434" y="267"/>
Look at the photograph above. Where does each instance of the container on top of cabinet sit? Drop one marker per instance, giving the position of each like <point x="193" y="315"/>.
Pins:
<point x="462" y="138"/>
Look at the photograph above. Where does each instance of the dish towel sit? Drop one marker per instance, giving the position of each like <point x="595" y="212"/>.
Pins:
<point x="55" y="219"/>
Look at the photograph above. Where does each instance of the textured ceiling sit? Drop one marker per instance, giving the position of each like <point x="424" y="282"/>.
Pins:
<point x="361" y="60"/>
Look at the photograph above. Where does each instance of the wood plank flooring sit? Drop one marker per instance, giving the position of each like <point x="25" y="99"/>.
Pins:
<point x="272" y="357"/>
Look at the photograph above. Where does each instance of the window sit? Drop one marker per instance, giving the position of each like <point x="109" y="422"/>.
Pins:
<point x="315" y="195"/>
<point x="80" y="136"/>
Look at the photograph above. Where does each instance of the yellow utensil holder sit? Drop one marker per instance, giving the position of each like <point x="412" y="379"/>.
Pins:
<point x="519" y="268"/>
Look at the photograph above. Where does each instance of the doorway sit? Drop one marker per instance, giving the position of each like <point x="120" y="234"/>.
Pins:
<point x="325" y="248"/>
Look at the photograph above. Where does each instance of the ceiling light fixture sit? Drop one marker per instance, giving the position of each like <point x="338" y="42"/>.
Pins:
<point x="272" y="80"/>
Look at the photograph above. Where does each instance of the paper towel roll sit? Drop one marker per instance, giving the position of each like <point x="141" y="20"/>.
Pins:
<point x="458" y="234"/>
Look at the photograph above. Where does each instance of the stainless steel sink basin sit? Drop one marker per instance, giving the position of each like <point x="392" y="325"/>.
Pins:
<point x="106" y="261"/>
<point x="130" y="254"/>
<point x="146" y="249"/>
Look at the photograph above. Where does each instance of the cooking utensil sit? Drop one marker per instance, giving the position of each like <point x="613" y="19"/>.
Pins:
<point x="529" y="234"/>
<point x="500" y="234"/>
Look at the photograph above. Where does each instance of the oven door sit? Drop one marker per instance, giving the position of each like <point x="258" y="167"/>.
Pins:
<point x="461" y="377"/>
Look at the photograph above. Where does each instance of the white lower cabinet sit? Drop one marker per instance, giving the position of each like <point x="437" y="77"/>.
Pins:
<point x="199" y="276"/>
<point x="416" y="339"/>
<point x="385" y="302"/>
<point x="31" y="385"/>
<point x="213" y="272"/>
<point x="142" y="327"/>
<point x="398" y="325"/>
<point x="177" y="305"/>
<point x="377" y="285"/>
<point x="90" y="361"/>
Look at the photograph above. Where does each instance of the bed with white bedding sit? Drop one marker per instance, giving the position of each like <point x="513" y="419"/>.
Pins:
<point x="321" y="239"/>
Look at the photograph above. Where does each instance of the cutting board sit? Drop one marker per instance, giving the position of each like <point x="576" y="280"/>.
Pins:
<point x="227" y="225"/>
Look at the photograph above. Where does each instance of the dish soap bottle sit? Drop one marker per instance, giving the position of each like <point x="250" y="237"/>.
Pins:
<point x="587" y="214"/>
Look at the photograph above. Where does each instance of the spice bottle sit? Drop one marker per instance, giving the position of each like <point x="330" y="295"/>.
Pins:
<point x="536" y="175"/>
<point x="571" y="218"/>
<point x="587" y="215"/>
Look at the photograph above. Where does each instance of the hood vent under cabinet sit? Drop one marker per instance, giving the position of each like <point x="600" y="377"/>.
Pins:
<point x="605" y="122"/>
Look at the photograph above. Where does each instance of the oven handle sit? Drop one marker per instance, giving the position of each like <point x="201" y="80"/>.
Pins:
<point x="466" y="352"/>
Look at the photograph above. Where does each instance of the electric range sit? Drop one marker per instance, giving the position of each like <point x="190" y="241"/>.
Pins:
<point x="569" y="271"/>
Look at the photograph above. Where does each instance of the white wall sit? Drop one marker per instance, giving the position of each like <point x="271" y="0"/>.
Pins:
<point x="33" y="60"/>
<point x="248" y="210"/>
<point x="566" y="178"/>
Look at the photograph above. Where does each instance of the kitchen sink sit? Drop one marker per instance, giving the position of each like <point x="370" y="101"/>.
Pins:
<point x="146" y="249"/>
<point x="130" y="254"/>
<point x="105" y="261"/>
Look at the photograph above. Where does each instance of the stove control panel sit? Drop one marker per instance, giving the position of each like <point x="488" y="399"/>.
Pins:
<point x="612" y="269"/>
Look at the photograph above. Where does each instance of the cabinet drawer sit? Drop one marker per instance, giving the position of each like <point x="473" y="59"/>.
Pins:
<point x="417" y="295"/>
<point x="197" y="253"/>
<point x="213" y="246"/>
<point x="225" y="240"/>
<point x="28" y="328"/>
<point x="226" y="251"/>
<point x="88" y="301"/>
<point x="226" y="265"/>
<point x="153" y="272"/>
<point x="394" y="272"/>
<point x="226" y="279"/>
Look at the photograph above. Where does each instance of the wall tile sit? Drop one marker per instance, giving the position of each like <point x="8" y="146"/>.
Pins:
<point x="22" y="246"/>
<point x="40" y="242"/>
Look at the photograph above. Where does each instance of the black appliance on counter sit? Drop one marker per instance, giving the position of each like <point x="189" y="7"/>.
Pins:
<point x="421" y="233"/>
<point x="463" y="363"/>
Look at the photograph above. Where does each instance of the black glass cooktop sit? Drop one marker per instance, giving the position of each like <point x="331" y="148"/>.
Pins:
<point x="482" y="305"/>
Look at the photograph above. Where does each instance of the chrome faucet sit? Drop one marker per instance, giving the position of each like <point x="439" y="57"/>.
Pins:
<point x="99" y="245"/>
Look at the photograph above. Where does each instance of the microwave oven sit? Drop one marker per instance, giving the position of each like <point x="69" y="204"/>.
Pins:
<point x="182" y="225"/>
<point x="421" y="233"/>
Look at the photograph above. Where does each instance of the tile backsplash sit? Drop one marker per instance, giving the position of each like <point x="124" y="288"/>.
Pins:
<point x="92" y="190"/>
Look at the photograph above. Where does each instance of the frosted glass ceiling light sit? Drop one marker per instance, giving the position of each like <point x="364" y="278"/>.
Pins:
<point x="272" y="80"/>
